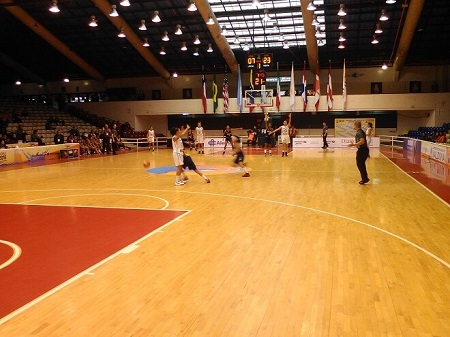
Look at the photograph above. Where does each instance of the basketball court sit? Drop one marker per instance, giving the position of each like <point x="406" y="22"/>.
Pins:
<point x="105" y="247"/>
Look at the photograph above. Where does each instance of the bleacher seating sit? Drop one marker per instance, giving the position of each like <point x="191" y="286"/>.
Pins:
<point x="429" y="133"/>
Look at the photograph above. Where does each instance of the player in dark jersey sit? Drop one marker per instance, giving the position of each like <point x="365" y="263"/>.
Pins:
<point x="237" y="151"/>
<point x="227" y="137"/>
<point x="190" y="139"/>
<point x="270" y="140"/>
<point x="189" y="163"/>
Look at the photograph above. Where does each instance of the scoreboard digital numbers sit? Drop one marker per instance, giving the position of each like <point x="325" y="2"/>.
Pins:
<point x="259" y="61"/>
<point x="259" y="79"/>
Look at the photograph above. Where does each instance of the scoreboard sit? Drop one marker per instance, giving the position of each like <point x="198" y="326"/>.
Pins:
<point x="259" y="61"/>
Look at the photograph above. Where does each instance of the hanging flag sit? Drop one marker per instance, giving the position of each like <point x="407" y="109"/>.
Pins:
<point x="225" y="95"/>
<point x="317" y="89"/>
<point x="252" y="97"/>
<point x="292" y="89"/>
<point x="344" y="89"/>
<point x="278" y="101"/>
<point x="304" y="92"/>
<point x="239" y="90"/>
<point x="215" y="91"/>
<point x="329" y="90"/>
<point x="204" y="92"/>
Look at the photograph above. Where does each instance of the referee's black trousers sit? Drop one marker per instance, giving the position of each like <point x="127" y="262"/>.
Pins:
<point x="361" y="156"/>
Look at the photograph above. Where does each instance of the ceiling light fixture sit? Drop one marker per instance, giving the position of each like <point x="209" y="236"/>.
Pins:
<point x="341" y="45"/>
<point x="266" y="15"/>
<point x="93" y="22"/>
<point x="384" y="66"/>
<point x="121" y="33"/>
<point x="183" y="46"/>
<point x="165" y="36"/>
<point x="275" y="27"/>
<point x="314" y="21"/>
<point x="285" y="45"/>
<point x="125" y="3"/>
<point x="66" y="80"/>
<point x="391" y="2"/>
<point x="210" y="21"/>
<point x="281" y="37"/>
<point x="342" y="38"/>
<point x="54" y="7"/>
<point x="155" y="17"/>
<point x="378" y="30"/>
<point x="256" y="3"/>
<point x="142" y="26"/>
<point x="195" y="53"/>
<point x="320" y="42"/>
<point x="174" y="74"/>
<point x="383" y="16"/>
<point x="197" y="40"/>
<point x="18" y="82"/>
<point x="192" y="7"/>
<point x="375" y="40"/>
<point x="319" y="32"/>
<point x="146" y="44"/>
<point x="342" y="11"/>
<point x="162" y="51"/>
<point x="114" y="11"/>
<point x="178" y="30"/>
<point x="246" y="47"/>
<point x="342" y="25"/>
<point x="311" y="6"/>
<point x="236" y="40"/>
<point x="209" y="50"/>
<point x="224" y="31"/>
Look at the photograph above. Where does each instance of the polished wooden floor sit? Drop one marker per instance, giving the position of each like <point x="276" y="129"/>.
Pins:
<point x="297" y="249"/>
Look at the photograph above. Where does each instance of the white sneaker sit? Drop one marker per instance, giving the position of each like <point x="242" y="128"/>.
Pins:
<point x="179" y="183"/>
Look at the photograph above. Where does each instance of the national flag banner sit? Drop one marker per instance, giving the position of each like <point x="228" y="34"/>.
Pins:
<point x="204" y="92"/>
<point x="317" y="89"/>
<point x="277" y="100"/>
<point x="240" y="101"/>
<point x="292" y="89"/>
<point x="329" y="90"/>
<point x="304" y="92"/>
<point x="344" y="89"/>
<point x="252" y="98"/>
<point x="225" y="94"/>
<point x="215" y="91"/>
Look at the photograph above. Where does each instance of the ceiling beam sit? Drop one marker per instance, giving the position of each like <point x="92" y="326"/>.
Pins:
<point x="311" y="43"/>
<point x="216" y="32"/>
<point x="105" y="7"/>
<point x="44" y="33"/>
<point x="407" y="34"/>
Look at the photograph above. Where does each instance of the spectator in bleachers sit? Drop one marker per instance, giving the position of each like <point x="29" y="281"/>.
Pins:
<point x="21" y="134"/>
<point x="74" y="132"/>
<point x="441" y="138"/>
<point x="36" y="138"/>
<point x="70" y="139"/>
<point x="3" y="144"/>
<point x="58" y="138"/>
<point x="13" y="139"/>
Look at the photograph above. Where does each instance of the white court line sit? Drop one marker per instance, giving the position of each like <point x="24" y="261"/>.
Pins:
<point x="279" y="203"/>
<point x="17" y="251"/>
<point x="88" y="271"/>
<point x="166" y="203"/>
<point x="418" y="182"/>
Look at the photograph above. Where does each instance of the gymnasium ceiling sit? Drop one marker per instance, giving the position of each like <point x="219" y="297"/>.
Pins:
<point x="39" y="46"/>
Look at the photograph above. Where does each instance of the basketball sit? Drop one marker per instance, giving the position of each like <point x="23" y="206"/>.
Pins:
<point x="146" y="164"/>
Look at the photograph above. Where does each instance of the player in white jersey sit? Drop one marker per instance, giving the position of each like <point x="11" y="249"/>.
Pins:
<point x="178" y="151"/>
<point x="151" y="139"/>
<point x="200" y="138"/>
<point x="285" y="138"/>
